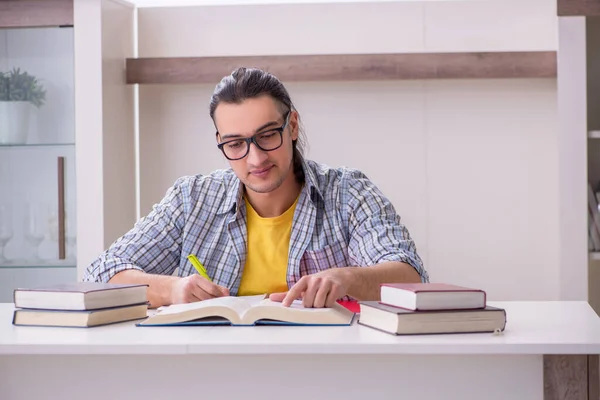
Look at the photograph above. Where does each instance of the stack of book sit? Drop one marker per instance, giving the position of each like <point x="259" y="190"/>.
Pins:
<point x="431" y="308"/>
<point x="81" y="304"/>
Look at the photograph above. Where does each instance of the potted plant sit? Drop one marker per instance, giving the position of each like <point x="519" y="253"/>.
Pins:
<point x="19" y="92"/>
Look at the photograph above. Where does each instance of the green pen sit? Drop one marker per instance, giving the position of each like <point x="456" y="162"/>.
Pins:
<point x="199" y="267"/>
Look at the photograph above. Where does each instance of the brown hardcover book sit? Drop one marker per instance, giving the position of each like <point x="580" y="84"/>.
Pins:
<point x="400" y="321"/>
<point x="80" y="296"/>
<point x="431" y="296"/>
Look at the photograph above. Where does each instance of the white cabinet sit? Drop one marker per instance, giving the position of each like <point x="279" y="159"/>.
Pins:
<point x="38" y="209"/>
<point x="67" y="159"/>
<point x="579" y="146"/>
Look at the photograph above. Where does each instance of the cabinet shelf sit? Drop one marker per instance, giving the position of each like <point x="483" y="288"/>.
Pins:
<point x="595" y="255"/>
<point x="35" y="13"/>
<point x="38" y="265"/>
<point x="37" y="145"/>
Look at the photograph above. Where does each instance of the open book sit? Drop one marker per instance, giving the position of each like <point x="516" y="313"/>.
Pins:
<point x="247" y="310"/>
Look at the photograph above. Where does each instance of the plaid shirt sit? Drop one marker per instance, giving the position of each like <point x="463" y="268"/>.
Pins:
<point x="341" y="219"/>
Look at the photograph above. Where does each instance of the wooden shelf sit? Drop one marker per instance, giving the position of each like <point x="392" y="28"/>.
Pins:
<point x="348" y="67"/>
<point x="33" y="145"/>
<point x="595" y="255"/>
<point x="35" y="13"/>
<point x="38" y="266"/>
<point x="578" y="8"/>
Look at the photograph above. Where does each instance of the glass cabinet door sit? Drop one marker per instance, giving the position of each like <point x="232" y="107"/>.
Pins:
<point x="37" y="158"/>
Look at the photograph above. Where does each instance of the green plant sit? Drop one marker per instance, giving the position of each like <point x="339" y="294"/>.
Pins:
<point x="20" y="86"/>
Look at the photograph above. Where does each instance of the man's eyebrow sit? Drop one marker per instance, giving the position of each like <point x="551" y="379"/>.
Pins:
<point x="231" y="136"/>
<point x="260" y="128"/>
<point x="267" y="125"/>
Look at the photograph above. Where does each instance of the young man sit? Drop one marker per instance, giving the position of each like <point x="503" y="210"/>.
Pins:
<point x="273" y="223"/>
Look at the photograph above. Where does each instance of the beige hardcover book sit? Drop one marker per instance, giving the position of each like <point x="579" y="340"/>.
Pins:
<point x="80" y="319"/>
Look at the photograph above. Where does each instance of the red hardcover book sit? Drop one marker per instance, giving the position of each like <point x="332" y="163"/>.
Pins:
<point x="432" y="296"/>
<point x="80" y="296"/>
<point x="351" y="305"/>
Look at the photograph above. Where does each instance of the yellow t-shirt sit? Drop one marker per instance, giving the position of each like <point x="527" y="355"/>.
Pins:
<point x="267" y="255"/>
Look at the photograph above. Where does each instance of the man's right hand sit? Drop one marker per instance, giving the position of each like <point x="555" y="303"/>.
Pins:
<point x="195" y="288"/>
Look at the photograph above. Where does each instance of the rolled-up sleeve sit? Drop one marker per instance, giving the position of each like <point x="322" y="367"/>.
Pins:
<point x="376" y="233"/>
<point x="153" y="245"/>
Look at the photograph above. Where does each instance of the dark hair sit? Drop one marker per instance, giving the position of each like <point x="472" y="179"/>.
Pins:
<point x="247" y="83"/>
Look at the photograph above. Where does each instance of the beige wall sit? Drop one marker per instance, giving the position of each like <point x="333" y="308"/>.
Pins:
<point x="471" y="165"/>
<point x="352" y="27"/>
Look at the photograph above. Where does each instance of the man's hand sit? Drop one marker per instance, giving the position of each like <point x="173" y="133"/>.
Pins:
<point x="361" y="283"/>
<point x="317" y="290"/>
<point x="195" y="288"/>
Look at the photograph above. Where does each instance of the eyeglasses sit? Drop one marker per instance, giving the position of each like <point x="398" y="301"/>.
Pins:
<point x="269" y="140"/>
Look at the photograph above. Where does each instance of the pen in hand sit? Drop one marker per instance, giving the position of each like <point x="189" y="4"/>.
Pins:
<point x="195" y="287"/>
<point x="199" y="267"/>
<point x="202" y="272"/>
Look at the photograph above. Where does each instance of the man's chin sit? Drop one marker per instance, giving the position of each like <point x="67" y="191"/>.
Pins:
<point x="265" y="187"/>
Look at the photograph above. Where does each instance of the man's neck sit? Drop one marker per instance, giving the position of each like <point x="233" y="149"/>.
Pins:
<point x="273" y="204"/>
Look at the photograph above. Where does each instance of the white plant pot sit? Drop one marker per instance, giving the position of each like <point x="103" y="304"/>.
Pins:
<point x="14" y="121"/>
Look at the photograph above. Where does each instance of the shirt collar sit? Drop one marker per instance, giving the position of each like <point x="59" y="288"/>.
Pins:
<point x="311" y="182"/>
<point x="233" y="197"/>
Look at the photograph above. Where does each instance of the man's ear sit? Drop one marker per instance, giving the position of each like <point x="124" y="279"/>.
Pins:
<point x="294" y="125"/>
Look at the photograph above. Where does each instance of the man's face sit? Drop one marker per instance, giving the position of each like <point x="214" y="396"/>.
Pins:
<point x="260" y="171"/>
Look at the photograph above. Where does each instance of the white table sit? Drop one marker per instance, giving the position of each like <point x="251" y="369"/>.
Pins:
<point x="546" y="344"/>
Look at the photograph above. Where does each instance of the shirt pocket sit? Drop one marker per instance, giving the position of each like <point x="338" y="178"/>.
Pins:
<point x="333" y="255"/>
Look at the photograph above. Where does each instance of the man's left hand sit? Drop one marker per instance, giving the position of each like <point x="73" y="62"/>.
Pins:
<point x="317" y="290"/>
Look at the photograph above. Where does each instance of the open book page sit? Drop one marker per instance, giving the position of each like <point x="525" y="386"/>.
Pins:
<point x="297" y="313"/>
<point x="296" y="305"/>
<point x="238" y="304"/>
<point x="230" y="308"/>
